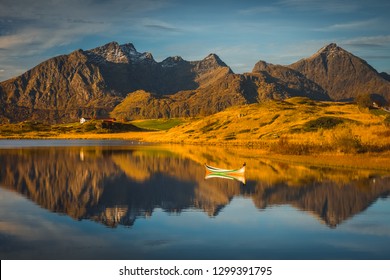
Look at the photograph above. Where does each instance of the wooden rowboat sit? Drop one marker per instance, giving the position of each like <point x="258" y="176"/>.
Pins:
<point x="232" y="174"/>
<point x="225" y="171"/>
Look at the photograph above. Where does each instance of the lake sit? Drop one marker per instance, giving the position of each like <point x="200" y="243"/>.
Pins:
<point x="89" y="199"/>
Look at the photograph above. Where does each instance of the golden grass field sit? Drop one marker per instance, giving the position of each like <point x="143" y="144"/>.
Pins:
<point x="294" y="124"/>
<point x="303" y="129"/>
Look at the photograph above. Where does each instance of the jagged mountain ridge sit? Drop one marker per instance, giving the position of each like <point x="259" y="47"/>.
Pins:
<point x="342" y="74"/>
<point x="291" y="82"/>
<point x="94" y="82"/>
<point x="127" y="70"/>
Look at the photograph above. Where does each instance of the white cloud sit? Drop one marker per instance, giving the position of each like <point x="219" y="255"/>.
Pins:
<point x="330" y="6"/>
<point x="354" y="25"/>
<point x="258" y="10"/>
<point x="30" y="45"/>
<point x="34" y="31"/>
<point x="45" y="24"/>
<point x="83" y="10"/>
<point x="369" y="41"/>
<point x="35" y="40"/>
<point x="159" y="25"/>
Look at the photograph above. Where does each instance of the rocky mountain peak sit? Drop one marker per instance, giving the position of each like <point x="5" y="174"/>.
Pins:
<point x="330" y="50"/>
<point x="172" y="61"/>
<point x="110" y="45"/>
<point x="110" y="52"/>
<point x="215" y="59"/>
<point x="148" y="56"/>
<point x="287" y="81"/>
<point x="115" y="53"/>
<point x="330" y="47"/>
<point x="128" y="46"/>
<point x="261" y="65"/>
<point x="342" y="74"/>
<point x="210" y="62"/>
<point x="129" y="49"/>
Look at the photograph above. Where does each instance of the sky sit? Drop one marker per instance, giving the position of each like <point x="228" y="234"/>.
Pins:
<point x="239" y="32"/>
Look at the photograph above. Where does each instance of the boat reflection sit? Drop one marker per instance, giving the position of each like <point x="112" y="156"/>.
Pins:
<point x="117" y="185"/>
<point x="240" y="178"/>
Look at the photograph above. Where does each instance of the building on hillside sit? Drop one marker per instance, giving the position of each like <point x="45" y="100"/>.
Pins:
<point x="83" y="120"/>
<point x="108" y="120"/>
<point x="104" y="120"/>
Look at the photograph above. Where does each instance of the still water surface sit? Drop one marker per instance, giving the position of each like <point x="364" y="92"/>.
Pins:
<point x="118" y="200"/>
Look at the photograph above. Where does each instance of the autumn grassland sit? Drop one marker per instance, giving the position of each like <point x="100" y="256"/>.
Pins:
<point x="292" y="126"/>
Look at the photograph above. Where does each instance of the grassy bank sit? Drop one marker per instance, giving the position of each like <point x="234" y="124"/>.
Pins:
<point x="294" y="126"/>
<point x="297" y="126"/>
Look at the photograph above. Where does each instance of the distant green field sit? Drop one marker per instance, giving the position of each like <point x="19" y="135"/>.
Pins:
<point x="158" y="124"/>
<point x="37" y="129"/>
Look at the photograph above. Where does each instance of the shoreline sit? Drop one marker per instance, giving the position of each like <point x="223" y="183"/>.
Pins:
<point x="293" y="127"/>
<point x="374" y="161"/>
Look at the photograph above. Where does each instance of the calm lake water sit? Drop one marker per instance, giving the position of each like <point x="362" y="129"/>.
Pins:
<point x="120" y="200"/>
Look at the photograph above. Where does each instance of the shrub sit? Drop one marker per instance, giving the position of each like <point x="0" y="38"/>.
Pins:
<point x="244" y="131"/>
<point x="230" y="136"/>
<point x="387" y="121"/>
<point x="363" y="100"/>
<point x="208" y="127"/>
<point x="346" y="142"/>
<point x="284" y="146"/>
<point x="322" y="122"/>
<point x="90" y="126"/>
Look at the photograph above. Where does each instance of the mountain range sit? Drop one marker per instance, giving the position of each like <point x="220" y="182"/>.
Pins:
<point x="118" y="80"/>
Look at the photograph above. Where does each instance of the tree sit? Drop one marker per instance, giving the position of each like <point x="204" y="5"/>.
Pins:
<point x="363" y="100"/>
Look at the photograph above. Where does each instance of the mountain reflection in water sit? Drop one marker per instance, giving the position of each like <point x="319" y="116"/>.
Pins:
<point x="116" y="185"/>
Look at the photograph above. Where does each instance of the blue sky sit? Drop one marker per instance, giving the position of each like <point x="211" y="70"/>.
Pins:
<point x="240" y="32"/>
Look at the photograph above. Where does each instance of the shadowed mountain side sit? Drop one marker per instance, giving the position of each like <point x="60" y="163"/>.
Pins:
<point x="61" y="88"/>
<point x="287" y="82"/>
<point x="385" y="76"/>
<point x="208" y="99"/>
<point x="91" y="83"/>
<point x="221" y="91"/>
<point x="117" y="186"/>
<point x="341" y="74"/>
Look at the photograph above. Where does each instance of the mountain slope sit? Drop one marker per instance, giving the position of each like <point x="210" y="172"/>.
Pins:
<point x="223" y="92"/>
<point x="291" y="83"/>
<point x="90" y="83"/>
<point x="59" y="88"/>
<point x="341" y="74"/>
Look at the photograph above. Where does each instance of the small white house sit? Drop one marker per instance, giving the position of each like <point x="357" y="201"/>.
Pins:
<point x="83" y="120"/>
